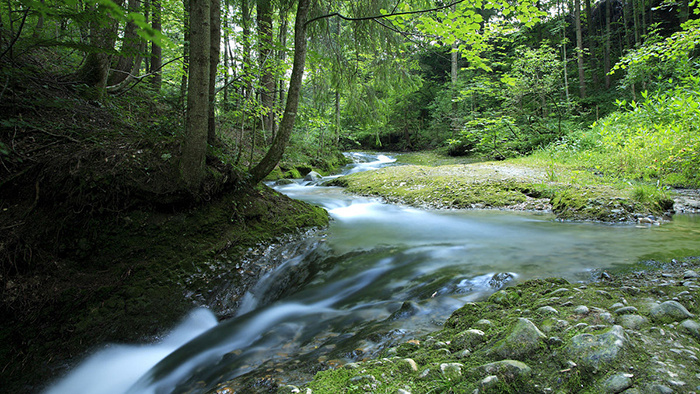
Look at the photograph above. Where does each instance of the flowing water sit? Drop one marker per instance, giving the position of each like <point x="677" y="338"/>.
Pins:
<point x="379" y="275"/>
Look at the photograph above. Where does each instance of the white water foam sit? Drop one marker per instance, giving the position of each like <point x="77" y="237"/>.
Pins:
<point x="114" y="370"/>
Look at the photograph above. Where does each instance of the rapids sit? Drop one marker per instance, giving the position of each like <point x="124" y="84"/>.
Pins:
<point x="379" y="275"/>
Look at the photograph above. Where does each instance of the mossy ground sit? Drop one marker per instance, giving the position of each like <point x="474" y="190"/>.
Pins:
<point x="654" y="353"/>
<point x="511" y="185"/>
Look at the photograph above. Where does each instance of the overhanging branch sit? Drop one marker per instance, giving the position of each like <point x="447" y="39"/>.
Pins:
<point x="381" y="16"/>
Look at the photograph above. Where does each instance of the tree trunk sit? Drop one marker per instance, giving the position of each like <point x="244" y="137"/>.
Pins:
<point x="156" y="50"/>
<point x="564" y="56"/>
<point x="267" y="81"/>
<point x="95" y="70"/>
<point x="579" y="44"/>
<point x="194" y="145"/>
<point x="131" y="51"/>
<point x="592" y="34"/>
<point x="635" y="18"/>
<point x="245" y="22"/>
<point x="214" y="52"/>
<point x="608" y="34"/>
<point x="185" y="49"/>
<point x="453" y="82"/>
<point x="274" y="154"/>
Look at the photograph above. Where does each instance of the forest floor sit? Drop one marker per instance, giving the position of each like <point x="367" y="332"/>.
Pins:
<point x="518" y="185"/>
<point x="99" y="243"/>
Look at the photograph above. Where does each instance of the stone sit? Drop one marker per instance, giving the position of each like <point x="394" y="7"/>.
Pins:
<point x="425" y="374"/>
<point x="498" y="280"/>
<point x="508" y="370"/>
<point x="402" y="391"/>
<point x="524" y="339"/>
<point x="282" y="182"/>
<point x="468" y="339"/>
<point x="669" y="311"/>
<point x="484" y="323"/>
<point x="489" y="382"/>
<point x="452" y="371"/>
<point x="581" y="310"/>
<point x="547" y="311"/>
<point x="408" y="309"/>
<point x="288" y="389"/>
<point x="617" y="383"/>
<point x="692" y="327"/>
<point x="659" y="389"/>
<point x="313" y="176"/>
<point x="595" y="351"/>
<point x="690" y="274"/>
<point x="364" y="379"/>
<point x="409" y="364"/>
<point x="607" y="317"/>
<point x="632" y="322"/>
<point x="463" y="354"/>
<point x="626" y="310"/>
<point x="559" y="292"/>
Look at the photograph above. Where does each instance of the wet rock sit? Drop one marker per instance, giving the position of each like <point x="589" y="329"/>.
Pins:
<point x="581" y="310"/>
<point x="524" y="339"/>
<point x="313" y="176"/>
<point x="451" y="371"/>
<point x="547" y="311"/>
<point x="408" y="309"/>
<point x="282" y="182"/>
<point x="468" y="339"/>
<point x="617" y="383"/>
<point x="595" y="351"/>
<point x="507" y="369"/>
<point x="626" y="310"/>
<point x="692" y="327"/>
<point x="498" y="280"/>
<point x="669" y="311"/>
<point x="483" y="323"/>
<point x="632" y="322"/>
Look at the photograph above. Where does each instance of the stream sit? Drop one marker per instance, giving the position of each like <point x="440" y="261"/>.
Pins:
<point x="378" y="276"/>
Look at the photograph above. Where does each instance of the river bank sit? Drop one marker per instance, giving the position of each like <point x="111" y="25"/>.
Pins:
<point x="517" y="185"/>
<point x="633" y="332"/>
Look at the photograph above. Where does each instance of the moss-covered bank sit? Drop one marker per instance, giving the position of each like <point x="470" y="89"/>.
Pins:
<point x="126" y="277"/>
<point x="506" y="185"/>
<point x="634" y="332"/>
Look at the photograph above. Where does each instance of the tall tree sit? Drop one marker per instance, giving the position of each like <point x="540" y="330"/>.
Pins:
<point x="265" y="44"/>
<point x="185" y="48"/>
<point x="579" y="46"/>
<point x="131" y="51"/>
<point x="156" y="50"/>
<point x="274" y="154"/>
<point x="214" y="52"/>
<point x="103" y="34"/>
<point x="194" y="145"/>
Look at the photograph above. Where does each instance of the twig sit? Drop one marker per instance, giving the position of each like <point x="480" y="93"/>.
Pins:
<point x="382" y="16"/>
<point x="19" y="32"/>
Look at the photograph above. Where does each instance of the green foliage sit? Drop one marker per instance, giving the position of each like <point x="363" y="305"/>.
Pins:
<point x="658" y="138"/>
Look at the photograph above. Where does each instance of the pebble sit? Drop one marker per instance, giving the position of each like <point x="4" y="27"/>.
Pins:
<point x="507" y="369"/>
<point x="627" y="310"/>
<point x="547" y="311"/>
<point x="489" y="382"/>
<point x="632" y="322"/>
<point x="689" y="274"/>
<point x="581" y="310"/>
<point x="451" y="370"/>
<point x="617" y="383"/>
<point x="559" y="292"/>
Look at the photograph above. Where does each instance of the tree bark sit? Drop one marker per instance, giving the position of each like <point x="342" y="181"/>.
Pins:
<point x="131" y="50"/>
<point x="194" y="145"/>
<point x="214" y="52"/>
<point x="156" y="50"/>
<point x="185" y="49"/>
<point x="274" y="154"/>
<point x="95" y="69"/>
<point x="579" y="44"/>
<point x="608" y="34"/>
<point x="267" y="81"/>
